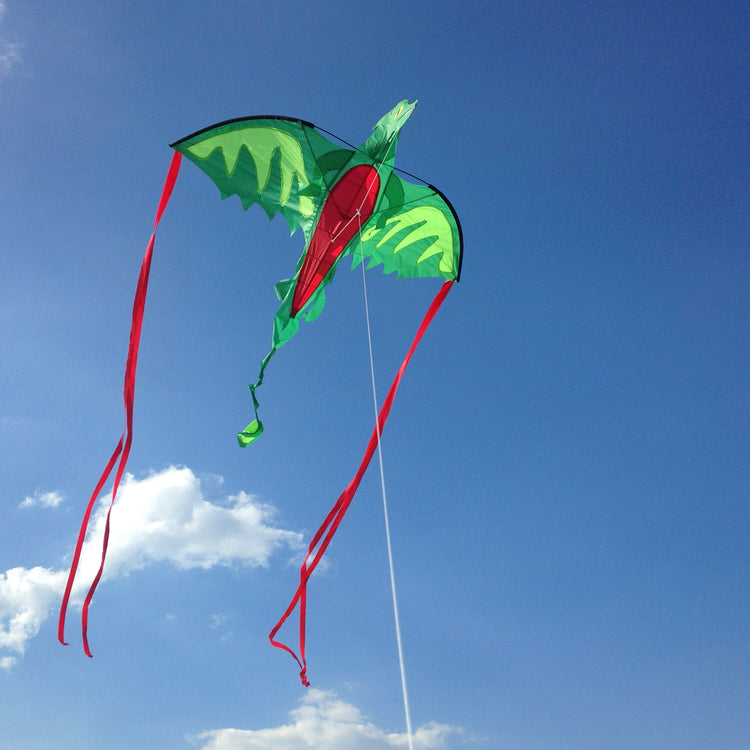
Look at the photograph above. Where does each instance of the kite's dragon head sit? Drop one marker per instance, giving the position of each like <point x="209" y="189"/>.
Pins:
<point x="381" y="145"/>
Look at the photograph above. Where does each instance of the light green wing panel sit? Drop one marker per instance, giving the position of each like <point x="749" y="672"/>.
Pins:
<point x="280" y="164"/>
<point x="414" y="231"/>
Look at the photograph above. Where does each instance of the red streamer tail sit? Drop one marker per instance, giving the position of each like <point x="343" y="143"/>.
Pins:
<point x="122" y="450"/>
<point x="328" y="528"/>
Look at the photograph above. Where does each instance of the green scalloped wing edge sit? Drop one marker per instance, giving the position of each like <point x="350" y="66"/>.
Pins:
<point x="414" y="232"/>
<point x="281" y="164"/>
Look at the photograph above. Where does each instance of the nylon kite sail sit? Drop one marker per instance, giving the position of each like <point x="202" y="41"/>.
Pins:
<point x="348" y="201"/>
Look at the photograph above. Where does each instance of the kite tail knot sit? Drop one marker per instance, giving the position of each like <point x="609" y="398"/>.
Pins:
<point x="303" y="677"/>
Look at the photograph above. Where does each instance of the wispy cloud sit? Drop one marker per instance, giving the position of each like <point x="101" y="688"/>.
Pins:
<point x="10" y="53"/>
<point x="7" y="662"/>
<point x="162" y="518"/>
<point x="42" y="499"/>
<point x="10" y="56"/>
<point x="323" y="720"/>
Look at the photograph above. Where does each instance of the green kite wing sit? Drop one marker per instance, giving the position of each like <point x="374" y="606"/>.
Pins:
<point x="414" y="232"/>
<point x="282" y="164"/>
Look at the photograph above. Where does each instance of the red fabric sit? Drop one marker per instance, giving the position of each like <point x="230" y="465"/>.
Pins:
<point x="328" y="528"/>
<point x="122" y="450"/>
<point x="348" y="206"/>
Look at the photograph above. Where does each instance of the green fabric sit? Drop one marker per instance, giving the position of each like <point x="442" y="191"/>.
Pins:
<point x="413" y="233"/>
<point x="286" y="166"/>
<point x="251" y="433"/>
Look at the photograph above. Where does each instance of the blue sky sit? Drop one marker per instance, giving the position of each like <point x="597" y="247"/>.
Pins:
<point x="567" y="459"/>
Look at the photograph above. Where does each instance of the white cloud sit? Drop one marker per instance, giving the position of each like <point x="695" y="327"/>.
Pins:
<point x="324" y="722"/>
<point x="10" y="54"/>
<point x="45" y="499"/>
<point x="162" y="518"/>
<point x="26" y="597"/>
<point x="7" y="662"/>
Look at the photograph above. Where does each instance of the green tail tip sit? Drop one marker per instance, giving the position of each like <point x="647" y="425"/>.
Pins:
<point x="251" y="433"/>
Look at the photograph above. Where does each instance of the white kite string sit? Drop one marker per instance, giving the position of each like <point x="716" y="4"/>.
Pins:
<point x="385" y="510"/>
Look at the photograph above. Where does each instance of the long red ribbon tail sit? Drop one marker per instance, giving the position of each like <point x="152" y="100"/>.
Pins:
<point x="328" y="528"/>
<point x="122" y="450"/>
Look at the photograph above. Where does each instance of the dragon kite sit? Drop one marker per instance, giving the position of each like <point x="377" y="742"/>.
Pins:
<point x="347" y="201"/>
